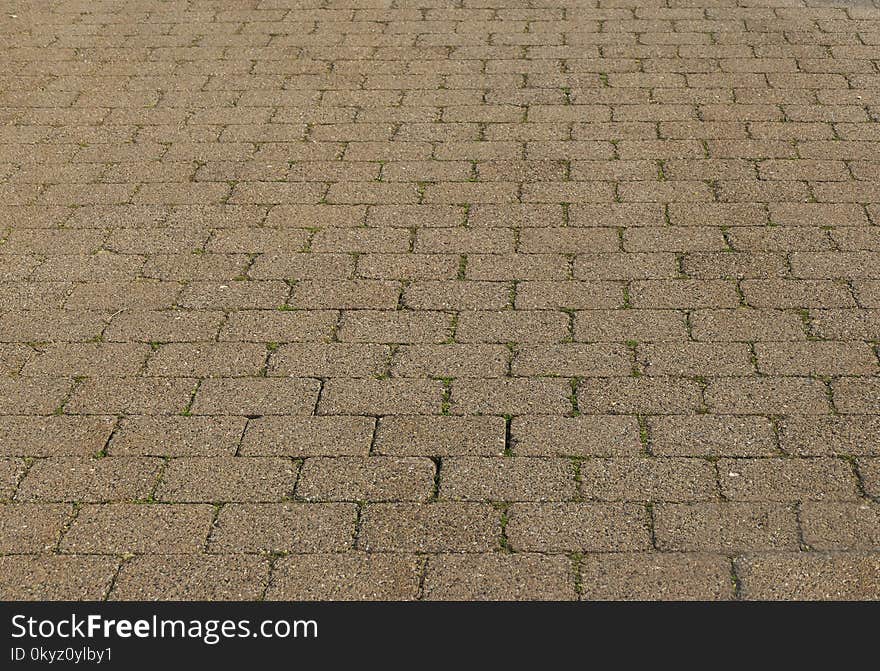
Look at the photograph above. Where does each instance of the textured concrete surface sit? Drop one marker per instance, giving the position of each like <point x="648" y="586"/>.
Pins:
<point x="439" y="299"/>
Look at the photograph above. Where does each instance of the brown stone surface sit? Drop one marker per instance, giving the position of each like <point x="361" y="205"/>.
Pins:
<point x="487" y="300"/>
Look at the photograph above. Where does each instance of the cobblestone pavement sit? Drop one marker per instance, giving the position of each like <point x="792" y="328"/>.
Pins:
<point x="431" y="299"/>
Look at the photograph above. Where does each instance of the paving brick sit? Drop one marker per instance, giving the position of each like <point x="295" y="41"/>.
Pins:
<point x="118" y="528"/>
<point x="509" y="479"/>
<point x="256" y="396"/>
<point x="57" y="577"/>
<point x="38" y="396"/>
<point x="450" y="361"/>
<point x="826" y="436"/>
<point x="787" y="479"/>
<point x="284" y="527"/>
<point x="517" y="326"/>
<point x="504" y="577"/>
<point x="623" y="325"/>
<point x="671" y="294"/>
<point x="656" y="576"/>
<point x="51" y="326"/>
<point x="207" y="360"/>
<point x="131" y="395"/>
<point x="796" y="294"/>
<point x="711" y="436"/>
<point x="345" y="294"/>
<point x="648" y="395"/>
<point x="366" y="479"/>
<point x="510" y="396"/>
<point x="571" y="295"/>
<point x="342" y="577"/>
<point x="607" y="435"/>
<point x="725" y="527"/>
<point x="76" y="359"/>
<point x="394" y="326"/>
<point x="841" y="526"/>
<point x="440" y="436"/>
<point x="292" y="266"/>
<point x="438" y="527"/>
<point x="746" y="325"/>
<point x="857" y="395"/>
<point x="506" y="267"/>
<point x="625" y="266"/>
<point x="408" y="266"/>
<point x="35" y="436"/>
<point x="580" y="527"/>
<point x="380" y="397"/>
<point x="647" y="479"/>
<point x="456" y="295"/>
<point x="308" y="436"/>
<point x="176" y="436"/>
<point x="279" y="326"/>
<point x="164" y="326"/>
<point x="329" y="360"/>
<point x="816" y="358"/>
<point x="572" y="360"/>
<point x="194" y="577"/>
<point x="220" y="479"/>
<point x="233" y="295"/>
<point x="809" y="576"/>
<point x="31" y="527"/>
<point x="89" y="480"/>
<point x="695" y="359"/>
<point x="767" y="395"/>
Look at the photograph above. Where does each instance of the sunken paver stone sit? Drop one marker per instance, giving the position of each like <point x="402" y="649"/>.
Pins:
<point x="416" y="302"/>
